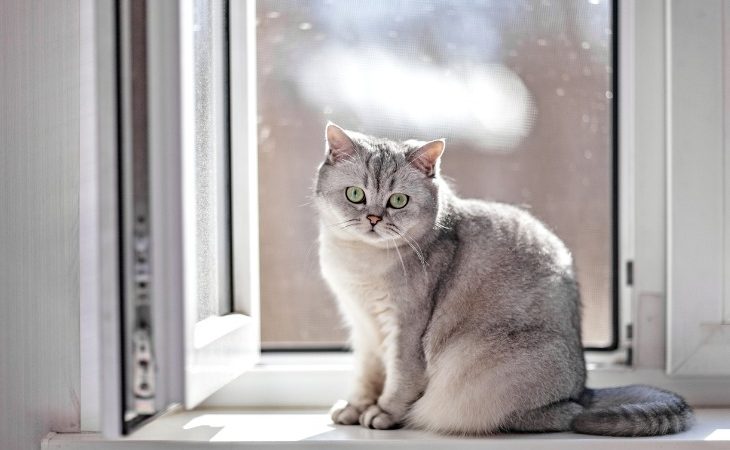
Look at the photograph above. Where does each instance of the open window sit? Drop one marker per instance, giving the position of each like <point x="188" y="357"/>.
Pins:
<point x="212" y="128"/>
<point x="181" y="323"/>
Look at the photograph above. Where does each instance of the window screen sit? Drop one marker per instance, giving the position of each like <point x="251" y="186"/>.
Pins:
<point x="521" y="90"/>
<point x="210" y="133"/>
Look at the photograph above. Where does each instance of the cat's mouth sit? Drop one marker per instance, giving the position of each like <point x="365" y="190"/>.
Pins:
<point x="373" y="233"/>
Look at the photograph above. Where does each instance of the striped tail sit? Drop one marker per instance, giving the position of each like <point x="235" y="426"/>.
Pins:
<point x="635" y="410"/>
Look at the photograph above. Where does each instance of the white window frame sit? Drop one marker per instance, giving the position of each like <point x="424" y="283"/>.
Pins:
<point x="193" y="359"/>
<point x="698" y="161"/>
<point x="648" y="145"/>
<point x="218" y="348"/>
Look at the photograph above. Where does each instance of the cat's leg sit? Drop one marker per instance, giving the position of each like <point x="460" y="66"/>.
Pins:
<point x="553" y="417"/>
<point x="369" y="376"/>
<point x="405" y="369"/>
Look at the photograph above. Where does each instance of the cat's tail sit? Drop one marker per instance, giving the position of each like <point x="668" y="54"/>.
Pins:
<point x="635" y="410"/>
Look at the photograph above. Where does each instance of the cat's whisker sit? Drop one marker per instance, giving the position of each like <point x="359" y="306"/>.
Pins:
<point x="411" y="242"/>
<point x="401" y="259"/>
<point x="348" y="225"/>
<point x="332" y="225"/>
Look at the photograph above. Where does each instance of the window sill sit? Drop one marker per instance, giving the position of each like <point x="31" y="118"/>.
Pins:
<point x="231" y="429"/>
<point x="317" y="381"/>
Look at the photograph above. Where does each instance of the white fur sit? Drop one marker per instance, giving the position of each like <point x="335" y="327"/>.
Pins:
<point x="460" y="399"/>
<point x="355" y="271"/>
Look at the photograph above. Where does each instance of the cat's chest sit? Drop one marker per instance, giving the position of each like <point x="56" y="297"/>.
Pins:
<point x="359" y="273"/>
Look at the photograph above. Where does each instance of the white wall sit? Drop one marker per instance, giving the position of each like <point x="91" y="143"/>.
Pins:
<point x="39" y="220"/>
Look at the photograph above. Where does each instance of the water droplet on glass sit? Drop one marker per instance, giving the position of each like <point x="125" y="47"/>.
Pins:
<point x="587" y="154"/>
<point x="304" y="26"/>
<point x="560" y="92"/>
<point x="585" y="45"/>
<point x="594" y="2"/>
<point x="273" y="15"/>
<point x="609" y="95"/>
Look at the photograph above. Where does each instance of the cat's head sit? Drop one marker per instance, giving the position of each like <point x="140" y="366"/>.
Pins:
<point x="376" y="190"/>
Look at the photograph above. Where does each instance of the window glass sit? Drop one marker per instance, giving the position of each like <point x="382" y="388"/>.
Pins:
<point x="521" y="90"/>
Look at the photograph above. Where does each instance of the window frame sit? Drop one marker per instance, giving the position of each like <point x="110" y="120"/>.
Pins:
<point x="229" y="343"/>
<point x="698" y="171"/>
<point x="187" y="370"/>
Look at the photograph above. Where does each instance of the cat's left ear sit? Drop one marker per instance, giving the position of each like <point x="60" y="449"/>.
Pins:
<point x="426" y="157"/>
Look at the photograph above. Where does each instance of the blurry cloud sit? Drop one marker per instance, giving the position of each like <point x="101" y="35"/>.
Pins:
<point x="486" y="104"/>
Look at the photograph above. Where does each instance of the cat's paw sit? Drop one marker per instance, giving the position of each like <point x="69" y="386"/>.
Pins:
<point x="375" y="417"/>
<point x="344" y="413"/>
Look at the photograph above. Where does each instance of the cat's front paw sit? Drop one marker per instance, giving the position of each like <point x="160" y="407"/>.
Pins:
<point x="375" y="417"/>
<point x="344" y="413"/>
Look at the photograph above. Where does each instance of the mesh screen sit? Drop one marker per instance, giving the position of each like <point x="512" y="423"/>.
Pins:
<point x="521" y="90"/>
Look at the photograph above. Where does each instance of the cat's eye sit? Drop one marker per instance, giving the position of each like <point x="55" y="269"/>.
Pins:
<point x="355" y="194"/>
<point x="398" y="200"/>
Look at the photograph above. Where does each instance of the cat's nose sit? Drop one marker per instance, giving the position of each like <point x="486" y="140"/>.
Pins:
<point x="374" y="219"/>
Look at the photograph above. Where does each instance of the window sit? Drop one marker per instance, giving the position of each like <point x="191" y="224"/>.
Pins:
<point x="186" y="328"/>
<point x="522" y="91"/>
<point x="179" y="292"/>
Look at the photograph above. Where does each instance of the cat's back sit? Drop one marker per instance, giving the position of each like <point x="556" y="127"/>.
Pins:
<point x="508" y="236"/>
<point x="507" y="270"/>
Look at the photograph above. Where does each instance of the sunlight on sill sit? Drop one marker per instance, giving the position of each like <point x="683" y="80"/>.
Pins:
<point x="720" y="434"/>
<point x="229" y="429"/>
<point x="259" y="427"/>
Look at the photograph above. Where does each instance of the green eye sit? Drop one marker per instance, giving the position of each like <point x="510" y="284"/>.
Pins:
<point x="398" y="201"/>
<point x="355" y="194"/>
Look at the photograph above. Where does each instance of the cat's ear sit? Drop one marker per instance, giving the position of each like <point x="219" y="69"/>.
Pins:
<point x="339" y="144"/>
<point x="426" y="157"/>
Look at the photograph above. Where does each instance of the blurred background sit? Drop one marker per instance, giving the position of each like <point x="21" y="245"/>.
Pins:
<point x="521" y="90"/>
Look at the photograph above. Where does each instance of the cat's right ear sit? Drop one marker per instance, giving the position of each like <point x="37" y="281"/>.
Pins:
<point x="339" y="144"/>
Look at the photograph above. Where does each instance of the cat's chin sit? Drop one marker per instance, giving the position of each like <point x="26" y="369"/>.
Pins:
<point x="376" y="239"/>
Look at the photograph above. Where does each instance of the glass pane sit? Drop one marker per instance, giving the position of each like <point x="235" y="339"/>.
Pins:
<point x="522" y="90"/>
<point x="211" y="160"/>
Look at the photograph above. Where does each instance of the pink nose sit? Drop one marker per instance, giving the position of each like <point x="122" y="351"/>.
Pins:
<point x="374" y="219"/>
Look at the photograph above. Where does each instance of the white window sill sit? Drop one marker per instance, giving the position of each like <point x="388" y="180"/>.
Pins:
<point x="231" y="429"/>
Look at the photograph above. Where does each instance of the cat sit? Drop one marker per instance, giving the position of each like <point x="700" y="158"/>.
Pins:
<point x="464" y="315"/>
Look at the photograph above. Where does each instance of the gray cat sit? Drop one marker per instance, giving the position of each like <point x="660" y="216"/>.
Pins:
<point x="464" y="315"/>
